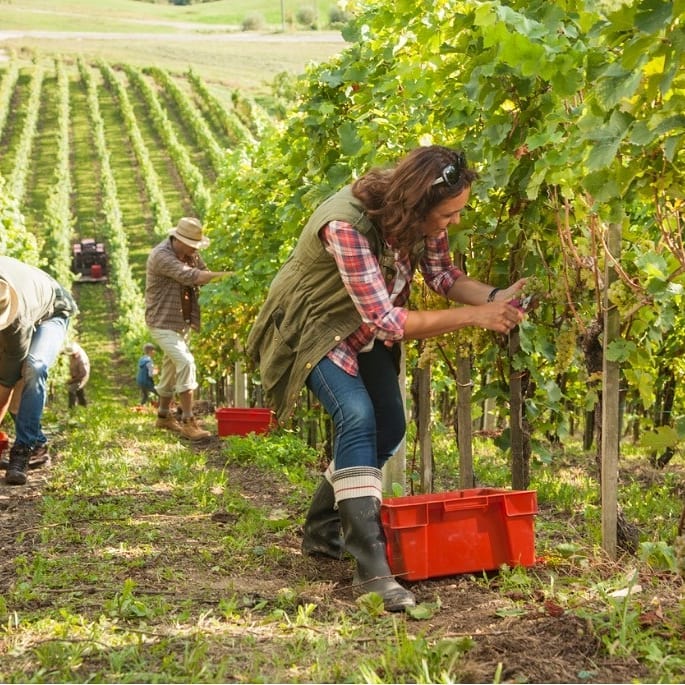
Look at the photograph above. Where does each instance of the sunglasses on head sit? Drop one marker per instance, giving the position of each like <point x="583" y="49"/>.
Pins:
<point x="452" y="172"/>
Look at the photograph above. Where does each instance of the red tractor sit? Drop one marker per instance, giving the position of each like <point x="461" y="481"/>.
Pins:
<point x="89" y="260"/>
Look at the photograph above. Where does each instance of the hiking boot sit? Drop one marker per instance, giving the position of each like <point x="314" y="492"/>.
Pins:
<point x="190" y="430"/>
<point x="169" y="422"/>
<point x="39" y="457"/>
<point x="18" y="465"/>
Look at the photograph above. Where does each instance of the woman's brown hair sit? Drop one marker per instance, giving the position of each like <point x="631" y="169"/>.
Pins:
<point x="398" y="200"/>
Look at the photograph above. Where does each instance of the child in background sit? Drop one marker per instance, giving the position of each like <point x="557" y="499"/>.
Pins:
<point x="146" y="373"/>
<point x="79" y="373"/>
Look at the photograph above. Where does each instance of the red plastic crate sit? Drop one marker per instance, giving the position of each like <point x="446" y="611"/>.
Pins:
<point x="241" y="421"/>
<point x="465" y="531"/>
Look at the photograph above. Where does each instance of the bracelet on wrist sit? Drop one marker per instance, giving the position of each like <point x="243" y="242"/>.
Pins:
<point x="491" y="296"/>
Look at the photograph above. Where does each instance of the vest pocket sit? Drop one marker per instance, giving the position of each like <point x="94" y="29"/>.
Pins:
<point x="276" y="355"/>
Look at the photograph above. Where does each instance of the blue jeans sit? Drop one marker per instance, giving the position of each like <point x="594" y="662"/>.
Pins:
<point x="46" y="344"/>
<point x="367" y="410"/>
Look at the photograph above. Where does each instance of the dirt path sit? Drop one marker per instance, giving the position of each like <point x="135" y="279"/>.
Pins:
<point x="531" y="639"/>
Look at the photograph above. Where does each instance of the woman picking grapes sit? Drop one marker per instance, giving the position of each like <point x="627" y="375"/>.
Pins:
<point x="333" y="320"/>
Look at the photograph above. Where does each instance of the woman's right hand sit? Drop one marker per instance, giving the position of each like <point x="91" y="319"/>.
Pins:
<point x="500" y="317"/>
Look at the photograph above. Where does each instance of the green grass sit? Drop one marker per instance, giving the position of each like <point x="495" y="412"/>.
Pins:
<point x="129" y="576"/>
<point x="44" y="156"/>
<point x="13" y="127"/>
<point x="130" y="187"/>
<point x="134" y="15"/>
<point x="130" y="581"/>
<point x="234" y="59"/>
<point x="248" y="65"/>
<point x="85" y="174"/>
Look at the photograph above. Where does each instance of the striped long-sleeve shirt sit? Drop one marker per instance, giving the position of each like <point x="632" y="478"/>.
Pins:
<point x="166" y="278"/>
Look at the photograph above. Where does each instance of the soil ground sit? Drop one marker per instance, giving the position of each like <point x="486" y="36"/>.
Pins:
<point x="542" y="643"/>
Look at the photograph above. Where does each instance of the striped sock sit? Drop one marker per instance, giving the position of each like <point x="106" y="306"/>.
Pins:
<point x="357" y="481"/>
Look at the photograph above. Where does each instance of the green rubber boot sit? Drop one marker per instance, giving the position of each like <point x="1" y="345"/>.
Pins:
<point x="365" y="541"/>
<point x="322" y="532"/>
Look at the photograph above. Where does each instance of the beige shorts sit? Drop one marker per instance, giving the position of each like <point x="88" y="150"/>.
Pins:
<point x="177" y="373"/>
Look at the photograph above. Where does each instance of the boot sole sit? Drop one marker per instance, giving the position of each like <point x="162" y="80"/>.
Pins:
<point x="195" y="438"/>
<point x="312" y="549"/>
<point x="15" y="478"/>
<point x="321" y="553"/>
<point x="401" y="605"/>
<point x="167" y="428"/>
<point x="406" y="599"/>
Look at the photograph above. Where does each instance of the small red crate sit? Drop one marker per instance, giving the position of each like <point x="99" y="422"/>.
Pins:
<point x="465" y="531"/>
<point x="4" y="442"/>
<point x="241" y="421"/>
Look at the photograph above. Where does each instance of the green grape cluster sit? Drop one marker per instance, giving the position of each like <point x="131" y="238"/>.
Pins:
<point x="587" y="280"/>
<point x="429" y="354"/>
<point x="621" y="296"/>
<point x="559" y="293"/>
<point x="679" y="549"/>
<point x="479" y="338"/>
<point x="535" y="285"/>
<point x="566" y="345"/>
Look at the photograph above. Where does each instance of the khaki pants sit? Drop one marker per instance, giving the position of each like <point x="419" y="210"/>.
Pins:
<point x="177" y="373"/>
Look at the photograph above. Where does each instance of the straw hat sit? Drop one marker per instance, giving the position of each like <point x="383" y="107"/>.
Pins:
<point x="9" y="303"/>
<point x="189" y="231"/>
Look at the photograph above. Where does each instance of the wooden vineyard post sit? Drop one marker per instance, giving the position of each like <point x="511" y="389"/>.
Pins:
<point x="239" y="386"/>
<point x="423" y="420"/>
<point x="464" y="425"/>
<point x="519" y="464"/>
<point x="610" y="401"/>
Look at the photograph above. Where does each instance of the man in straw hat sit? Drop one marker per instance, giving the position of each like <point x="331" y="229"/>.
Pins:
<point x="34" y="318"/>
<point x="175" y="271"/>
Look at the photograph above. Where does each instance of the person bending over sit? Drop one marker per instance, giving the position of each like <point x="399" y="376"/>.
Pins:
<point x="334" y="318"/>
<point x="79" y="374"/>
<point x="34" y="318"/>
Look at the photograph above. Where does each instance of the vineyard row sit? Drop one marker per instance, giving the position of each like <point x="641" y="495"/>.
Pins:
<point x="116" y="153"/>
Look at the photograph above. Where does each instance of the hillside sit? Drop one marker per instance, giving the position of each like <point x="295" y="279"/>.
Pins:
<point x="205" y="36"/>
<point x="121" y="15"/>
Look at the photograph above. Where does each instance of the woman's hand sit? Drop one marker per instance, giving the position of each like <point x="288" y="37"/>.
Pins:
<point x="510" y="293"/>
<point x="500" y="317"/>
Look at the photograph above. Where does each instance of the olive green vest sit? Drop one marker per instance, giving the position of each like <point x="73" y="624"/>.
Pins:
<point x="307" y="310"/>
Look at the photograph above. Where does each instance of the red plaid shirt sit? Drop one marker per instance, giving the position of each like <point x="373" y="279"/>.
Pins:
<point x="383" y="316"/>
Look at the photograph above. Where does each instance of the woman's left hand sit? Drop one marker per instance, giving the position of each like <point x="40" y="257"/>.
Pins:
<point x="511" y="293"/>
